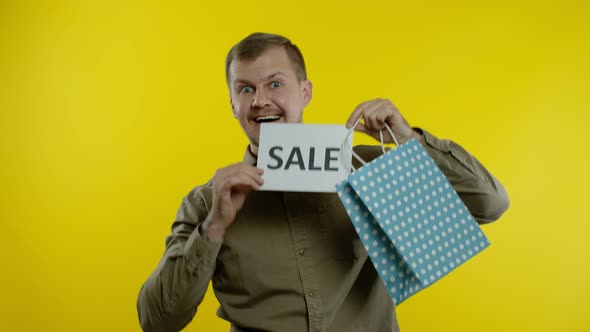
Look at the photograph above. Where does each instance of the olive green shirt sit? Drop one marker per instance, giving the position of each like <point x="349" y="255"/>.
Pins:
<point x="292" y="261"/>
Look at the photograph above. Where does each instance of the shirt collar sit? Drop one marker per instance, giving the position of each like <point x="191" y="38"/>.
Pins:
<point x="249" y="157"/>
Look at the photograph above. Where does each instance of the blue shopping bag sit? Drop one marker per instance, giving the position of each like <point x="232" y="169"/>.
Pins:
<point x="411" y="221"/>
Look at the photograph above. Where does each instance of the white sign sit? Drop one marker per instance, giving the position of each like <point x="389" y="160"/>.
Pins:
<point x="297" y="157"/>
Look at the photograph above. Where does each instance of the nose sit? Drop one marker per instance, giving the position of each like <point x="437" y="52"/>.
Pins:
<point x="260" y="99"/>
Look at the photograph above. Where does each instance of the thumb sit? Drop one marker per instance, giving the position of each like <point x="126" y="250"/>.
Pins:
<point x="362" y="129"/>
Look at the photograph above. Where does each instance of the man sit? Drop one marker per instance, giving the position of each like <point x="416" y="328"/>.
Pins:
<point x="285" y="261"/>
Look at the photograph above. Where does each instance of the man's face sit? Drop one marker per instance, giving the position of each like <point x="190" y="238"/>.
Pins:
<point x="267" y="89"/>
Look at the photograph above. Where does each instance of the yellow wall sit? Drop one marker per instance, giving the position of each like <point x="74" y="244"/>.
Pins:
<point x="111" y="111"/>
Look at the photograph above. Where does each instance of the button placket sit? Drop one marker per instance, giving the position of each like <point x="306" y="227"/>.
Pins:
<point x="297" y="215"/>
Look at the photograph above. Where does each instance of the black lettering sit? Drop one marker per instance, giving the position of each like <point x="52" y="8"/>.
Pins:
<point x="295" y="152"/>
<point x="272" y="154"/>
<point x="312" y="159"/>
<point x="330" y="158"/>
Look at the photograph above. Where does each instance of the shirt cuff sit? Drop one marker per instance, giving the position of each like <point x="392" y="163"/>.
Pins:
<point x="429" y="140"/>
<point x="200" y="251"/>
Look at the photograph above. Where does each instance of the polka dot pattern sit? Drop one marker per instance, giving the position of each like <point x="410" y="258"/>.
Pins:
<point x="411" y="221"/>
<point x="399" y="278"/>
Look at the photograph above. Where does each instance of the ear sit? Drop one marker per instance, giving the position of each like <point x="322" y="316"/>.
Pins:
<point x="233" y="109"/>
<point x="307" y="92"/>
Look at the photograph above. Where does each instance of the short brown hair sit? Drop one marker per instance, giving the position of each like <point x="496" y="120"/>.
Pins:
<point x="255" y="44"/>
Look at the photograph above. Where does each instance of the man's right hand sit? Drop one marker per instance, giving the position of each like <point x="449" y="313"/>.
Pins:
<point x="230" y="186"/>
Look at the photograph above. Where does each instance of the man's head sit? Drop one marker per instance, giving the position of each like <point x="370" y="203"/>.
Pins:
<point x="267" y="82"/>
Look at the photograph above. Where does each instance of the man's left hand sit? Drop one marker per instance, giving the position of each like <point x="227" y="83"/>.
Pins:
<point x="376" y="113"/>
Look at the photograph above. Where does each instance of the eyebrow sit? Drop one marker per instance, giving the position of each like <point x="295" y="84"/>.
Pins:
<point x="269" y="77"/>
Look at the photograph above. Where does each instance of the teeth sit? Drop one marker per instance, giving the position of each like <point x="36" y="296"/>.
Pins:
<point x="267" y="118"/>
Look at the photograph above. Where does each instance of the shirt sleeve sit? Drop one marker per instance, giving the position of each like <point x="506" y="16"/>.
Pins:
<point x="482" y="193"/>
<point x="168" y="300"/>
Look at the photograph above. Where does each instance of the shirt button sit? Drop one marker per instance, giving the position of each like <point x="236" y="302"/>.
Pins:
<point x="301" y="252"/>
<point x="310" y="294"/>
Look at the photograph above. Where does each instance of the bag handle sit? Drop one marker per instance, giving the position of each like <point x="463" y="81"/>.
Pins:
<point x="354" y="154"/>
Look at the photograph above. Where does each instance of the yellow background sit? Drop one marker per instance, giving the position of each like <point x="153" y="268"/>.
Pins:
<point x="111" y="111"/>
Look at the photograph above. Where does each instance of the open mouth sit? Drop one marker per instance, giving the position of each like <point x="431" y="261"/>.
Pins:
<point x="267" y="118"/>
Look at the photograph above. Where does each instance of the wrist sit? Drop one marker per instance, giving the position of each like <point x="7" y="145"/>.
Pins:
<point x="413" y="134"/>
<point x="212" y="231"/>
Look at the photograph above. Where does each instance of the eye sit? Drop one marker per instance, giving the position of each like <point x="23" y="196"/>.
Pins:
<point x="275" y="84"/>
<point x="246" y="89"/>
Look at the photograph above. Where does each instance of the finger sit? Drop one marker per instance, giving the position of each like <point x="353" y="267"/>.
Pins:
<point x="370" y="116"/>
<point x="239" y="176"/>
<point x="225" y="171"/>
<point x="255" y="173"/>
<point x="358" y="111"/>
<point x="239" y="168"/>
<point x="240" y="182"/>
<point x="381" y="117"/>
<point x="363" y="129"/>
<point x="251" y="172"/>
<point x="356" y="114"/>
<point x="370" y="121"/>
